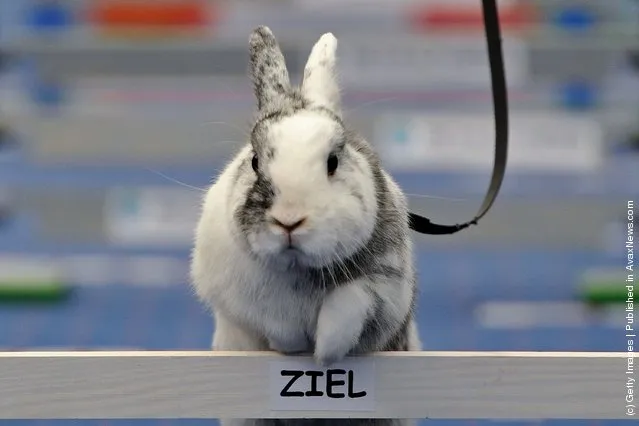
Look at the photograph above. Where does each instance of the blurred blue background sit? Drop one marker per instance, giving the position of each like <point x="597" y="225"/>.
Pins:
<point x="110" y="123"/>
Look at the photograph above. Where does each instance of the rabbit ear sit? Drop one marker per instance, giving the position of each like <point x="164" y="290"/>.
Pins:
<point x="271" y="82"/>
<point x="320" y="84"/>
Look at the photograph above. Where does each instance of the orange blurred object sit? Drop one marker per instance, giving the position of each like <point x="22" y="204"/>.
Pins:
<point x="165" y="14"/>
<point x="517" y="16"/>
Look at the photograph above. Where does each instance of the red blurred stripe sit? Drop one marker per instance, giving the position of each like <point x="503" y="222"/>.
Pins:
<point x="153" y="13"/>
<point x="448" y="17"/>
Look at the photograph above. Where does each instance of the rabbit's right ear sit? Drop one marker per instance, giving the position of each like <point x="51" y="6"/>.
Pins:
<point x="271" y="82"/>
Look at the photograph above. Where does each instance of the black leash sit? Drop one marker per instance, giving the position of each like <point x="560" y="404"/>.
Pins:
<point x="500" y="104"/>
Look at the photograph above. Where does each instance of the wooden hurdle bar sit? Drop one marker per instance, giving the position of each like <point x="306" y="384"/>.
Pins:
<point x="207" y="384"/>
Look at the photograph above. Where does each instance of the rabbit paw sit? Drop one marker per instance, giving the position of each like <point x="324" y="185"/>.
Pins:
<point x="340" y="323"/>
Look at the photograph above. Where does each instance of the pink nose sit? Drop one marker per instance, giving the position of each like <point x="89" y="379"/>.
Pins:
<point x="288" y="226"/>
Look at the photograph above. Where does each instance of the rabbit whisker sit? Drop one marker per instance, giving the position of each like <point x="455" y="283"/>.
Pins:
<point x="434" y="197"/>
<point x="175" y="180"/>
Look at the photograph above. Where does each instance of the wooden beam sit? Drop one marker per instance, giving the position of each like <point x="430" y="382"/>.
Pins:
<point x="445" y="385"/>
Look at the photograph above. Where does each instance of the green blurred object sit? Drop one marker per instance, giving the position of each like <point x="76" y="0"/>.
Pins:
<point x="603" y="288"/>
<point x="610" y="293"/>
<point x="32" y="280"/>
<point x="33" y="292"/>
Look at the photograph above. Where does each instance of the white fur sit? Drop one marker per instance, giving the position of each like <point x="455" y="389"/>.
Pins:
<point x="253" y="304"/>
<point x="243" y="295"/>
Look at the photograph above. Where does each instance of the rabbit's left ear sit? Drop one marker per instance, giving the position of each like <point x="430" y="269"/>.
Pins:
<point x="271" y="82"/>
<point x="320" y="85"/>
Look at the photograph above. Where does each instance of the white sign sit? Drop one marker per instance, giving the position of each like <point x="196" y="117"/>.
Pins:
<point x="415" y="62"/>
<point x="560" y="142"/>
<point x="297" y="384"/>
<point x="152" y="215"/>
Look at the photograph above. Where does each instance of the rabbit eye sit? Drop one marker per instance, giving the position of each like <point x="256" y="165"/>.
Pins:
<point x="254" y="162"/>
<point x="331" y="164"/>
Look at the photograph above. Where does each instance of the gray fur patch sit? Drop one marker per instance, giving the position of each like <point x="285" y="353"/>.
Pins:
<point x="258" y="199"/>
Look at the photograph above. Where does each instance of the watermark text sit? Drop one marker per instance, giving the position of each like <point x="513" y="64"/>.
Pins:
<point x="631" y="397"/>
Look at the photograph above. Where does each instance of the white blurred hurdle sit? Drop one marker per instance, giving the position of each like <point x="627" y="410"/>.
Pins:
<point x="455" y="385"/>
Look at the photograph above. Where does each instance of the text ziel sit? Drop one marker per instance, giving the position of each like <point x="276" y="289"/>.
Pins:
<point x="332" y="383"/>
<point x="299" y="384"/>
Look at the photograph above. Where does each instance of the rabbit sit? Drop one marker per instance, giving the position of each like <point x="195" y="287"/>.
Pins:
<point x="303" y="241"/>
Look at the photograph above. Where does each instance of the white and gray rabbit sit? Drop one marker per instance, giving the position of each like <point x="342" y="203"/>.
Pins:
<point x="303" y="243"/>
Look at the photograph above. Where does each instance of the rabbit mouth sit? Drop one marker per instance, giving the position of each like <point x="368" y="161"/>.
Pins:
<point x="295" y="255"/>
<point x="292" y="250"/>
<point x="288" y="258"/>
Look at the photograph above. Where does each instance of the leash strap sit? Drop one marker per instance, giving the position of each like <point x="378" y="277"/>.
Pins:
<point x="500" y="104"/>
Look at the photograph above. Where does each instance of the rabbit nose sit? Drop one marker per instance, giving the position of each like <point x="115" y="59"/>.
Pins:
<point x="289" y="226"/>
